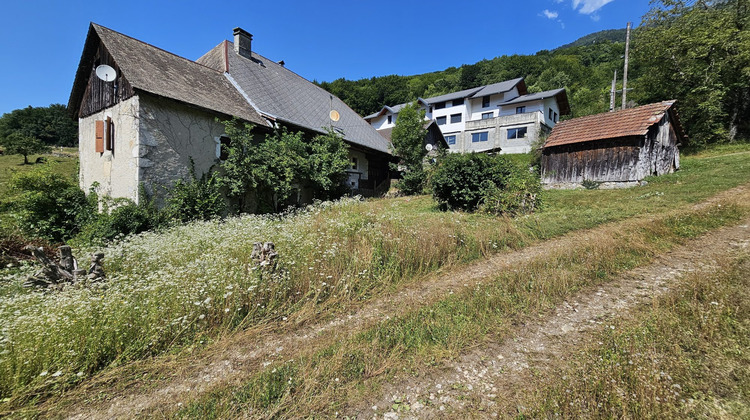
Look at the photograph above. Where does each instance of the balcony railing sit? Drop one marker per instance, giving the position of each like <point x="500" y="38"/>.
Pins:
<point x="514" y="119"/>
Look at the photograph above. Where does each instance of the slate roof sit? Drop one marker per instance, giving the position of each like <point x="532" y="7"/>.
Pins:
<point x="395" y="109"/>
<point x="501" y="87"/>
<point x="623" y="123"/>
<point x="562" y="99"/>
<point x="280" y="94"/>
<point x="454" y="95"/>
<point x="153" y="70"/>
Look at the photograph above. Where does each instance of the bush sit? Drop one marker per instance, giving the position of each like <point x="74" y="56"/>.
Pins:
<point x="50" y="205"/>
<point x="196" y="198"/>
<point x="494" y="184"/>
<point x="119" y="217"/>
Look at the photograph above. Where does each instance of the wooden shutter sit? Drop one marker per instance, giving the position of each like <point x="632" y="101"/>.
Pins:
<point x="99" y="136"/>
<point x="110" y="143"/>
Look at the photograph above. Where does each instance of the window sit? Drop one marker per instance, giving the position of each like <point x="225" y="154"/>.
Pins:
<point x="224" y="143"/>
<point x="440" y="105"/>
<point x="457" y="102"/>
<point x="390" y="119"/>
<point x="477" y="137"/>
<point x="455" y="118"/>
<point x="550" y="115"/>
<point x="441" y="120"/>
<point x="555" y="119"/>
<point x="517" y="133"/>
<point x="110" y="143"/>
<point x="450" y="139"/>
<point x="354" y="163"/>
<point x="520" y="109"/>
<point x="486" y="102"/>
<point x="487" y="115"/>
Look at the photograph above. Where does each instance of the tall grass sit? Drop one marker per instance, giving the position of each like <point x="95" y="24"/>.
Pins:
<point x="189" y="284"/>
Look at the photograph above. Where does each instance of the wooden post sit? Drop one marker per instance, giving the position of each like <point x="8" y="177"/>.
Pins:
<point x="613" y="93"/>
<point x="625" y="73"/>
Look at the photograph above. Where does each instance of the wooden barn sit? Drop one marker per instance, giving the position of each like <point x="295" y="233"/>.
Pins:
<point x="616" y="148"/>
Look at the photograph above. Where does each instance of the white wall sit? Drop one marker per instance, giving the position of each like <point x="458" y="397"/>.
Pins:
<point x="116" y="171"/>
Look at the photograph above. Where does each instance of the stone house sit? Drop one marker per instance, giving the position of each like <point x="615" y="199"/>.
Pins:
<point x="149" y="112"/>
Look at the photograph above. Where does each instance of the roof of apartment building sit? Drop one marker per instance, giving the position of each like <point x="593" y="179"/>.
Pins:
<point x="609" y="125"/>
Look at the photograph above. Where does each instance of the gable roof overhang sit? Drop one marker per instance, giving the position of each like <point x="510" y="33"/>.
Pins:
<point x="158" y="72"/>
<point x="627" y="123"/>
<point x="395" y="109"/>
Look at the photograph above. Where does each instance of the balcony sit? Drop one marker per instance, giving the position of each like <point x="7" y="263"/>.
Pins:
<point x="505" y="120"/>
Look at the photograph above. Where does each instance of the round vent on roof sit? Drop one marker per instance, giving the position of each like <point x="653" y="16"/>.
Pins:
<point x="106" y="73"/>
<point x="334" y="115"/>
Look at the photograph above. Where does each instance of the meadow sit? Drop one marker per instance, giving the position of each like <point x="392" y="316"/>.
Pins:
<point x="184" y="287"/>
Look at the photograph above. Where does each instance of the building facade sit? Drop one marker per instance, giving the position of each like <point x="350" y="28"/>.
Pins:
<point x="500" y="117"/>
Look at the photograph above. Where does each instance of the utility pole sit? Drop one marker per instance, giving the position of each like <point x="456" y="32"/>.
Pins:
<point x="613" y="93"/>
<point x="625" y="73"/>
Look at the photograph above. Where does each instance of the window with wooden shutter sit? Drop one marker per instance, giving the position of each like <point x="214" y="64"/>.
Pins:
<point x="110" y="143"/>
<point x="99" y="136"/>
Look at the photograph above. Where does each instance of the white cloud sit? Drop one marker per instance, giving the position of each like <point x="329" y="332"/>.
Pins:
<point x="550" y="14"/>
<point x="589" y="6"/>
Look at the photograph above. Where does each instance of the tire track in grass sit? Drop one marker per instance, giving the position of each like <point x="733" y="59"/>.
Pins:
<point x="472" y="385"/>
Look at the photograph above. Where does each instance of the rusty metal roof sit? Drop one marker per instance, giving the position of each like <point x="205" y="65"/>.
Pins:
<point x="624" y="123"/>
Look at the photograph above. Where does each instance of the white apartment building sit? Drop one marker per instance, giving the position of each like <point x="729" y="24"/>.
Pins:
<point x="501" y="117"/>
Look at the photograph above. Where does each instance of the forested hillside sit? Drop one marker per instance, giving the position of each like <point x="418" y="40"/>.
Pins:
<point x="698" y="54"/>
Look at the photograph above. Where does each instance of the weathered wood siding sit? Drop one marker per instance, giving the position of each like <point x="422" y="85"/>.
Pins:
<point x="625" y="159"/>
<point x="100" y="94"/>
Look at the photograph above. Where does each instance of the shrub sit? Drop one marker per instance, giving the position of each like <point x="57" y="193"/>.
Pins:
<point x="196" y="198"/>
<point x="50" y="205"/>
<point x="119" y="217"/>
<point x="494" y="184"/>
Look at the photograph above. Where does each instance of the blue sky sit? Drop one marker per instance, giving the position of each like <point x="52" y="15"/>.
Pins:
<point x="41" y="41"/>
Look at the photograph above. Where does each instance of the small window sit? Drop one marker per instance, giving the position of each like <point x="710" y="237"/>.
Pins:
<point x="477" y="137"/>
<point x="440" y="105"/>
<point x="457" y="102"/>
<point x="450" y="139"/>
<point x="354" y="163"/>
<point x="486" y="102"/>
<point x="517" y="133"/>
<point x="110" y="143"/>
<point x="455" y="118"/>
<point x="555" y="119"/>
<point x="487" y="115"/>
<point x="441" y="120"/>
<point x="390" y="119"/>
<point x="224" y="144"/>
<point x="550" y="114"/>
<point x="520" y="109"/>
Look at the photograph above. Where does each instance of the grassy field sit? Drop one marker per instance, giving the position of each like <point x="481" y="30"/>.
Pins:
<point x="186" y="286"/>
<point x="64" y="161"/>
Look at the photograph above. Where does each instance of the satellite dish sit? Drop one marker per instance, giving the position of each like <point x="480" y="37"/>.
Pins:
<point x="428" y="147"/>
<point x="334" y="115"/>
<point x="106" y="73"/>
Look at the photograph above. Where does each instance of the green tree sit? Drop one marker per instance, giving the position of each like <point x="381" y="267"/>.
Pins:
<point x="17" y="143"/>
<point x="327" y="164"/>
<point x="698" y="54"/>
<point x="408" y="144"/>
<point x="51" y="125"/>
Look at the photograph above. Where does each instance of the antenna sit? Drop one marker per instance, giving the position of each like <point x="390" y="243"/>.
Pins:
<point x="106" y="73"/>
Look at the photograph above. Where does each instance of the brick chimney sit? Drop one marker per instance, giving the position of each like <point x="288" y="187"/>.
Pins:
<point x="242" y="42"/>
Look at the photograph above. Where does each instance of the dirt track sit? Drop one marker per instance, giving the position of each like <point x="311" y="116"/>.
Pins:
<point x="237" y="357"/>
